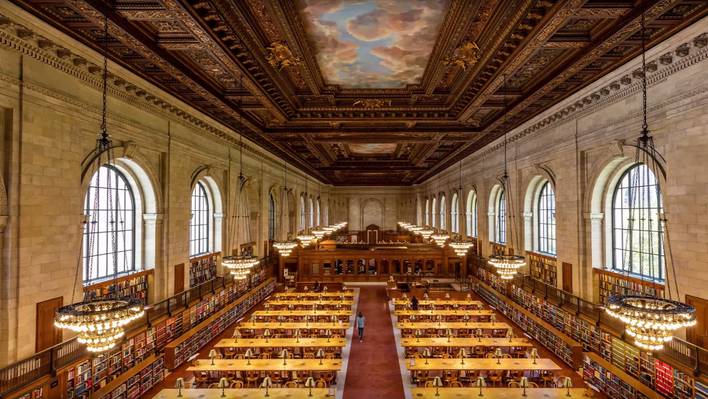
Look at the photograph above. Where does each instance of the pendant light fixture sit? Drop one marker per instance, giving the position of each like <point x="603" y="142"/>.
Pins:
<point x="242" y="264"/>
<point x="507" y="265"/>
<point x="285" y="248"/>
<point x="650" y="320"/>
<point x="99" y="322"/>
<point x="459" y="245"/>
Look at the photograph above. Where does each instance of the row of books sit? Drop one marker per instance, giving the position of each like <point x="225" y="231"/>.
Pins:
<point x="92" y="375"/>
<point x="37" y="393"/>
<point x="202" y="269"/>
<point x="135" y="286"/>
<point x="616" y="284"/>
<point x="139" y="383"/>
<point x="543" y="268"/>
<point x="639" y="364"/>
<point x="179" y="351"/>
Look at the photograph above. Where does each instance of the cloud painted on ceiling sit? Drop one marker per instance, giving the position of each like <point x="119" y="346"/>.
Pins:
<point x="372" y="43"/>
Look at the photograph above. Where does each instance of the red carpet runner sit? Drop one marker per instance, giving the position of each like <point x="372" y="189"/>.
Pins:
<point x="373" y="370"/>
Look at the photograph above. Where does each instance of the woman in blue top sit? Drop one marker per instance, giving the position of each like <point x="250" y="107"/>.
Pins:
<point x="360" y="320"/>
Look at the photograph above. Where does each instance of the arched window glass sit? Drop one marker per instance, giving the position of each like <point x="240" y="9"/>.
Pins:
<point x="318" y="218"/>
<point x="443" y="218"/>
<point x="471" y="214"/>
<point x="110" y="210"/>
<point x="455" y="214"/>
<point x="547" y="220"/>
<point x="302" y="212"/>
<point x="501" y="218"/>
<point x="433" y="212"/>
<point x="427" y="214"/>
<point x="312" y="212"/>
<point x="271" y="217"/>
<point x="199" y="224"/>
<point x="637" y="232"/>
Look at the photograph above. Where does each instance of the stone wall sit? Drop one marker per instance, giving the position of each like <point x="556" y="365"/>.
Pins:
<point x="49" y="121"/>
<point x="581" y="143"/>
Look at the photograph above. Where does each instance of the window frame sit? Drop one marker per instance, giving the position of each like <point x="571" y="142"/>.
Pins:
<point x="546" y="242"/>
<point x="455" y="214"/>
<point x="500" y="231"/>
<point x="207" y="214"/>
<point x="87" y="258"/>
<point x="644" y="188"/>
<point x="271" y="218"/>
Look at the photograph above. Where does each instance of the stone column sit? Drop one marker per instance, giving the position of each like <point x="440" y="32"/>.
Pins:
<point x="153" y="231"/>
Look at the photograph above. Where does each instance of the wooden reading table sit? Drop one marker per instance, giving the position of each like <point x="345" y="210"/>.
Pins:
<point x="246" y="393"/>
<point x="267" y="365"/>
<point x="482" y="364"/>
<point x="453" y="325"/>
<point x="456" y="342"/>
<point x="280" y="343"/>
<point x="500" y="393"/>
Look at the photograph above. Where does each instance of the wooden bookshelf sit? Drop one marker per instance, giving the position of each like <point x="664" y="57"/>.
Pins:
<point x="613" y="381"/>
<point x="543" y="267"/>
<point x="133" y="285"/>
<point x="655" y="374"/>
<point x="610" y="283"/>
<point x="566" y="348"/>
<point x="202" y="268"/>
<point x="180" y="349"/>
<point x="149" y="372"/>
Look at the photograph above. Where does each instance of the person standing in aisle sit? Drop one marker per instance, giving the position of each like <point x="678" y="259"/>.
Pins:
<point x="360" y="320"/>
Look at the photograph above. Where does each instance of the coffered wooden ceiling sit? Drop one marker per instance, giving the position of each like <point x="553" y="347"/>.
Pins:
<point x="213" y="54"/>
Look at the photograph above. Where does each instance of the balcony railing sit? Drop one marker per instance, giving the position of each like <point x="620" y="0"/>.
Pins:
<point x="677" y="351"/>
<point x="47" y="362"/>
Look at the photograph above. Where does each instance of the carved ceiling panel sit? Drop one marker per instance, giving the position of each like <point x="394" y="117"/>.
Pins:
<point x="377" y="92"/>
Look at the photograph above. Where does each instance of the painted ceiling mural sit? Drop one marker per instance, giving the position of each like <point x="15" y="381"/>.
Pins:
<point x="373" y="149"/>
<point x="372" y="43"/>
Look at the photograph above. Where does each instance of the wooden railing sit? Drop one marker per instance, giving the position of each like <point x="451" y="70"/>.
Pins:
<point x="677" y="351"/>
<point x="48" y="361"/>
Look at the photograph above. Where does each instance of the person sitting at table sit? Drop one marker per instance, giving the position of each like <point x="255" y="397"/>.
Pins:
<point x="414" y="303"/>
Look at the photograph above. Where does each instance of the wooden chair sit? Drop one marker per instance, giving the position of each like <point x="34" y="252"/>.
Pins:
<point x="455" y="384"/>
<point x="264" y="355"/>
<point x="252" y="377"/>
<point x="320" y="383"/>
<point x="291" y="384"/>
<point x="236" y="384"/>
<point x="495" y="379"/>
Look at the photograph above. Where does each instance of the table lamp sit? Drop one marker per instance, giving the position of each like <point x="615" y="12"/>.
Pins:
<point x="248" y="355"/>
<point x="447" y="295"/>
<point x="493" y="318"/>
<point x="223" y="384"/>
<point x="307" y="320"/>
<point x="266" y="334"/>
<point x="510" y="334"/>
<point x="498" y="355"/>
<point x="426" y="354"/>
<point x="253" y="320"/>
<point x="297" y="335"/>
<point x="179" y="384"/>
<point x="237" y="334"/>
<point x="524" y="383"/>
<point x="437" y="383"/>
<point x="267" y="383"/>
<point x="448" y="332"/>
<point x="479" y="334"/>
<point x="466" y="318"/>
<point x="212" y="356"/>
<point x="320" y="354"/>
<point x="469" y="296"/>
<point x="534" y="354"/>
<point x="310" y="383"/>
<point x="418" y="333"/>
<point x="284" y="355"/>
<point x="567" y="384"/>
<point x="462" y="355"/>
<point x="481" y="384"/>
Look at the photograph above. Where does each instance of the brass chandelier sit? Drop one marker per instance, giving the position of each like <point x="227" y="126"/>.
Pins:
<point x="99" y="322"/>
<point x="459" y="245"/>
<point x="650" y="320"/>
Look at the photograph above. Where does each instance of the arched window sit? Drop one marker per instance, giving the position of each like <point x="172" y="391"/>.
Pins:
<point x="318" y="218"/>
<point x="199" y="225"/>
<point x="443" y="218"/>
<point x="501" y="218"/>
<point x="271" y="217"/>
<point x="455" y="214"/>
<point x="637" y="232"/>
<point x="471" y="214"/>
<point x="427" y="212"/>
<point x="433" y="212"/>
<point x="110" y="210"/>
<point x="546" y="220"/>
<point x="302" y="212"/>
<point x="311" y="216"/>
